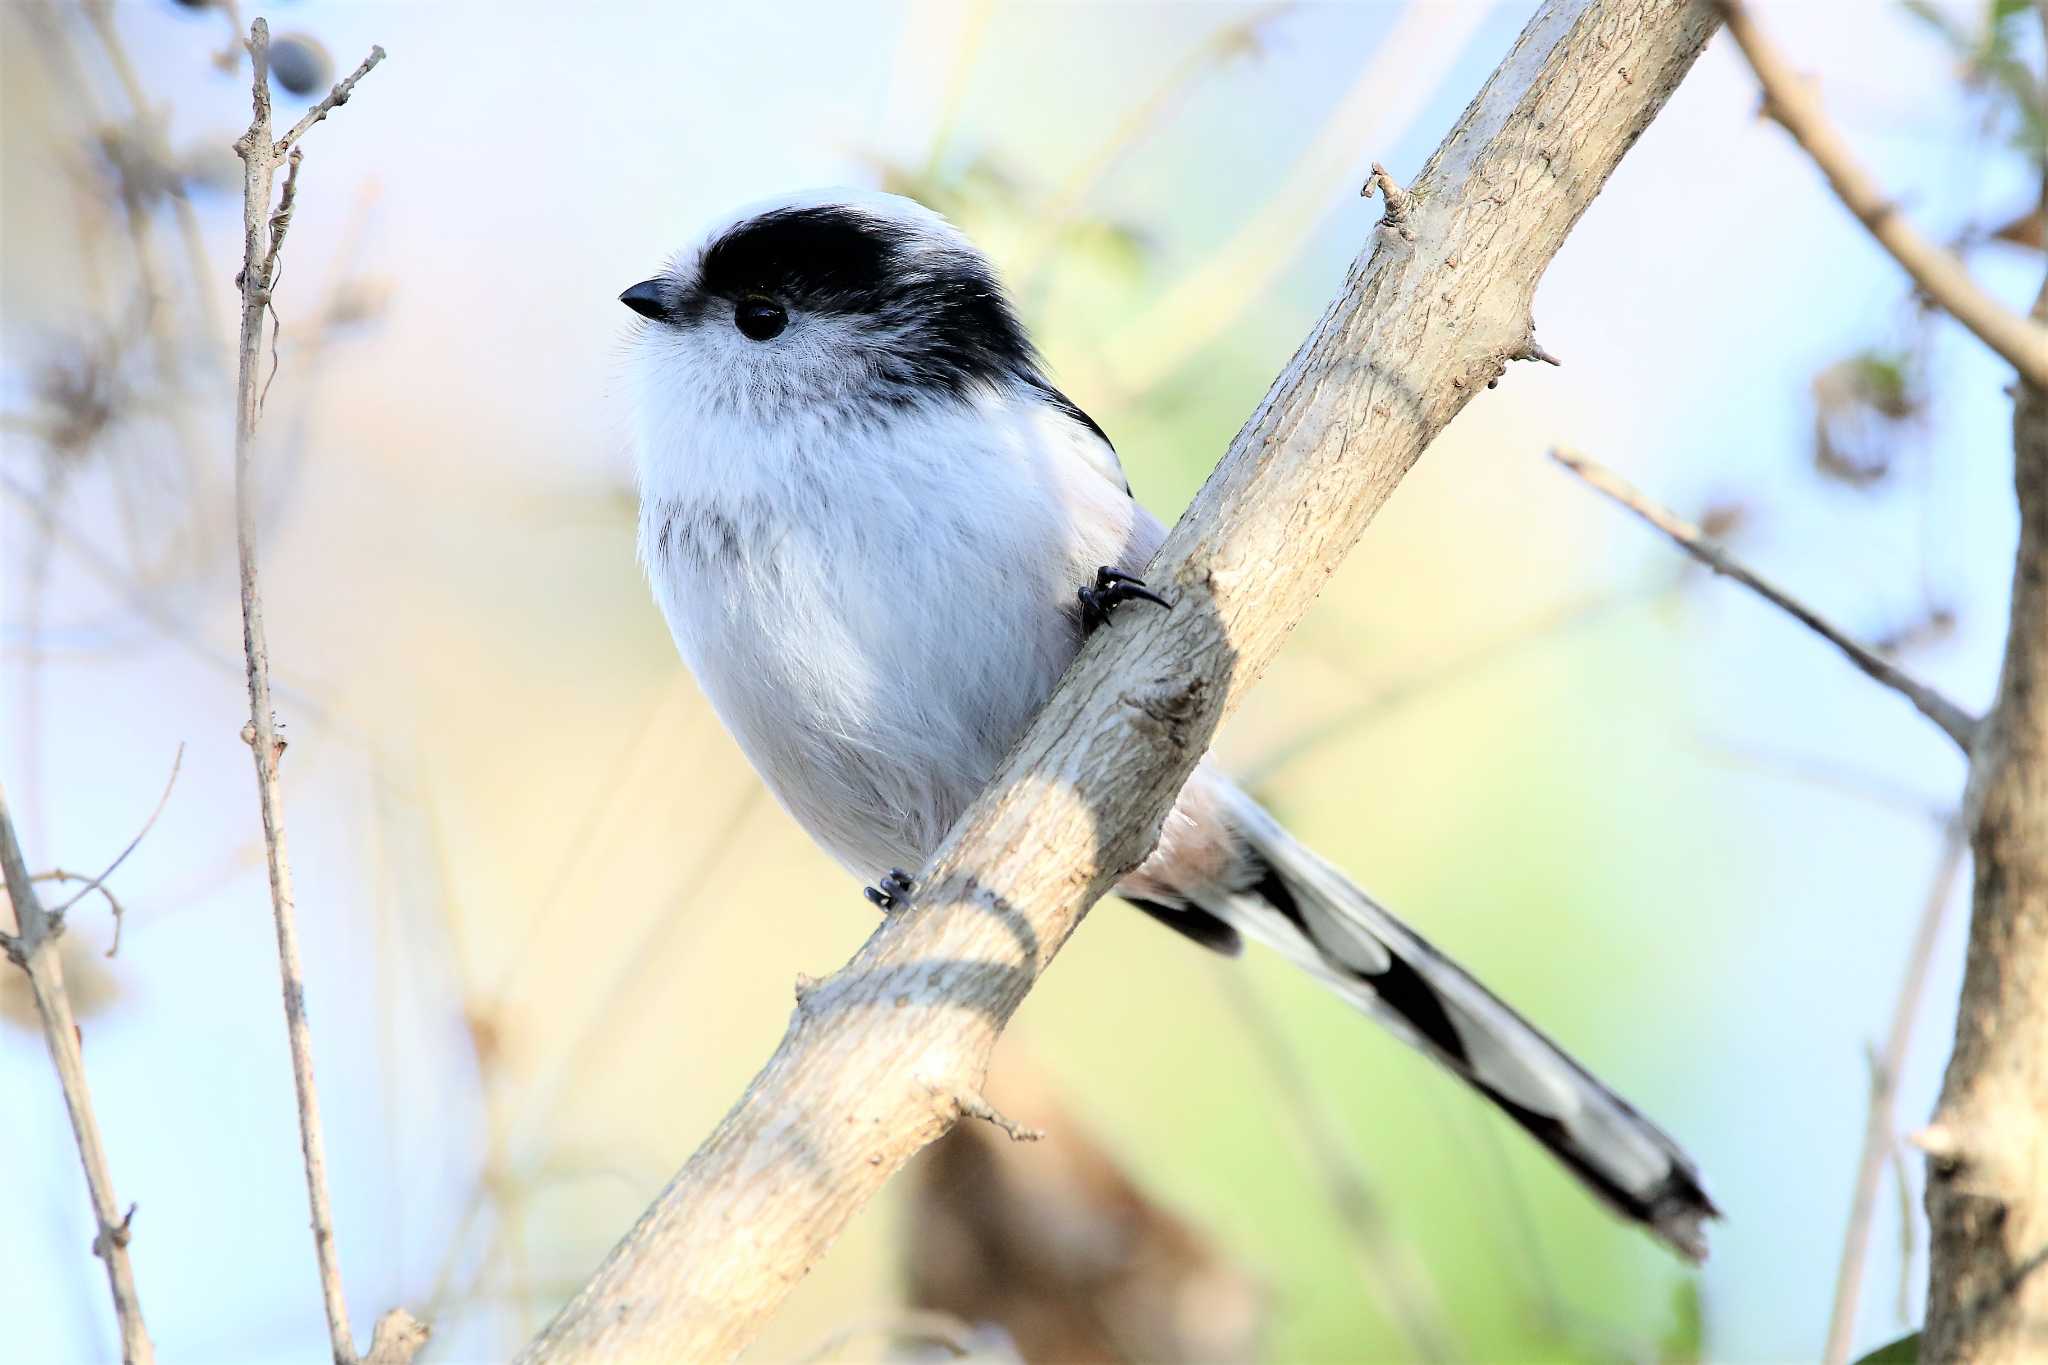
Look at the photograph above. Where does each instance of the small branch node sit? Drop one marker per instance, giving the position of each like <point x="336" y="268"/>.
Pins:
<point x="973" y="1106"/>
<point x="278" y="743"/>
<point x="396" y="1339"/>
<point x="806" y="984"/>
<point x="1940" y="1143"/>
<point x="1529" y="350"/>
<point x="114" y="1234"/>
<point x="1396" y="218"/>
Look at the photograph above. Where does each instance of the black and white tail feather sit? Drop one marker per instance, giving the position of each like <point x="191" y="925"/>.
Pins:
<point x="1314" y="915"/>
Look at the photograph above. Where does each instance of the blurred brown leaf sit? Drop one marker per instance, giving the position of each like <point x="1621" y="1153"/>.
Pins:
<point x="1860" y="403"/>
<point x="1055" y="1243"/>
<point x="2030" y="230"/>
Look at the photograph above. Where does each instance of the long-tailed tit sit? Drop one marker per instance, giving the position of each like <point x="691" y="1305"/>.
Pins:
<point x="879" y="534"/>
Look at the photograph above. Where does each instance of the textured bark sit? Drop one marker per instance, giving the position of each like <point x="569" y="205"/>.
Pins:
<point x="883" y="1056"/>
<point x="1987" y="1188"/>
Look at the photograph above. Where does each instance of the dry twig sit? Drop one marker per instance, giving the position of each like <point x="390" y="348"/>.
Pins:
<point x="99" y="883"/>
<point x="262" y="237"/>
<point x="33" y="947"/>
<point x="1079" y="801"/>
<point x="1958" y="724"/>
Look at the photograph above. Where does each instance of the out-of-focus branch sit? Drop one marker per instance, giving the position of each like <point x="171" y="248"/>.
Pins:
<point x="1958" y="724"/>
<point x="1408" y="63"/>
<point x="1987" y="1147"/>
<point x="1237" y="34"/>
<point x="1790" y="100"/>
<point x="1880" y="1136"/>
<point x="882" y="1057"/>
<point x="1391" y="1272"/>
<point x="397" y="1337"/>
<point x="33" y="947"/>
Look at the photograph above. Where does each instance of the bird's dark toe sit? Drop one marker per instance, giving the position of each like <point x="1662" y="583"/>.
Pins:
<point x="893" y="890"/>
<point x="1110" y="590"/>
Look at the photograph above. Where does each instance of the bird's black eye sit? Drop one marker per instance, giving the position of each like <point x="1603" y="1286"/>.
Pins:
<point x="759" y="318"/>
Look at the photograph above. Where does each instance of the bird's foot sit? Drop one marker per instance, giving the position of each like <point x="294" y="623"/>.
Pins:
<point x="893" y="891"/>
<point x="1110" y="590"/>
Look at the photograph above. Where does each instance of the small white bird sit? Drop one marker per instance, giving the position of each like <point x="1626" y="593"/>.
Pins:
<point x="879" y="534"/>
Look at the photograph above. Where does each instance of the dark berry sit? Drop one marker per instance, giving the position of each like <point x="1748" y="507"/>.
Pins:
<point x="300" y="64"/>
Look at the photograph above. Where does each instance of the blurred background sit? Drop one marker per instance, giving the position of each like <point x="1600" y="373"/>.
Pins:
<point x="551" y="921"/>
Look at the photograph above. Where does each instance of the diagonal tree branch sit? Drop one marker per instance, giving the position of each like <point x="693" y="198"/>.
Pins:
<point x="1792" y="103"/>
<point x="33" y="946"/>
<point x="884" y="1055"/>
<point x="1958" y="724"/>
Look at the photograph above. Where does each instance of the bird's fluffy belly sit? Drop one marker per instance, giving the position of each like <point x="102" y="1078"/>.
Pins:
<point x="873" y="687"/>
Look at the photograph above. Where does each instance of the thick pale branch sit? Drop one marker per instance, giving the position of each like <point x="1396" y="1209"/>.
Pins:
<point x="864" y="1076"/>
<point x="1790" y="100"/>
<point x="1958" y="724"/>
<point x="33" y="946"/>
<point x="1987" y="1173"/>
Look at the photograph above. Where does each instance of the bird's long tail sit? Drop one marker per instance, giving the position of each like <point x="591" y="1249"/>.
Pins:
<point x="1311" y="912"/>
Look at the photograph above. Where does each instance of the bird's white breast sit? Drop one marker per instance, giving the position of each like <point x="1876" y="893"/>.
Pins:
<point x="876" y="605"/>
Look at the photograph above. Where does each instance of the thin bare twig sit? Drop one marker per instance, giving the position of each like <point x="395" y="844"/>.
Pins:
<point x="1791" y="101"/>
<point x="1396" y="218"/>
<point x="1879" y="1138"/>
<point x="99" y="883"/>
<point x="261" y="236"/>
<point x="330" y="102"/>
<point x="119" y="911"/>
<point x="1958" y="724"/>
<point x="33" y="947"/>
<point x="1827" y="775"/>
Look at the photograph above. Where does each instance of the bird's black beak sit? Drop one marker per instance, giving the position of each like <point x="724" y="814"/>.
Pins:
<point x="649" y="299"/>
